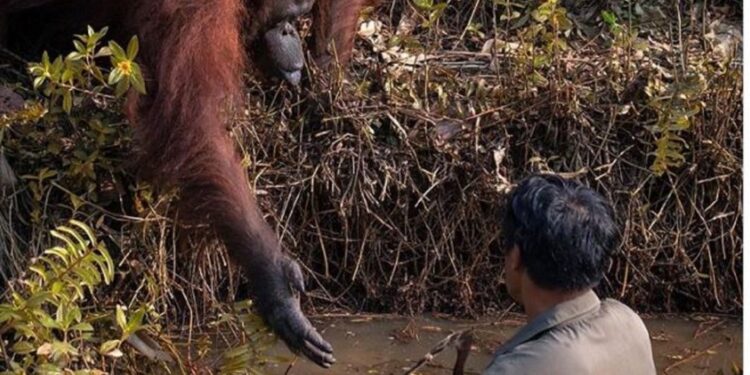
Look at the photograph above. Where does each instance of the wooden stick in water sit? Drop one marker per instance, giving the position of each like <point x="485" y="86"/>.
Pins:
<point x="461" y="340"/>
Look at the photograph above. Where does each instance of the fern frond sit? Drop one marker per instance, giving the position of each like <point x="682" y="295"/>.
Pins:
<point x="83" y="262"/>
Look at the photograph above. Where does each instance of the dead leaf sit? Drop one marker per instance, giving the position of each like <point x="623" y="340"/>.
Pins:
<point x="117" y="353"/>
<point x="447" y="129"/>
<point x="44" y="350"/>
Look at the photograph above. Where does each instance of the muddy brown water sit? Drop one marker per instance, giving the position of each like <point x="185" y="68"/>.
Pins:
<point x="390" y="345"/>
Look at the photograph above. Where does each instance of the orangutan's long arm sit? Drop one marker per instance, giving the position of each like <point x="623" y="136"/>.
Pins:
<point x="194" y="60"/>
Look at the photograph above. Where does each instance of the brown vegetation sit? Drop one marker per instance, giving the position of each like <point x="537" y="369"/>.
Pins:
<point x="386" y="185"/>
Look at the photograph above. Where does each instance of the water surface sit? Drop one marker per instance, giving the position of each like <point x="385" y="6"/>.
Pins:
<point x="390" y="345"/>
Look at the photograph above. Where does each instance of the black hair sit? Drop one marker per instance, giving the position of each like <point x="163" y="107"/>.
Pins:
<point x="565" y="231"/>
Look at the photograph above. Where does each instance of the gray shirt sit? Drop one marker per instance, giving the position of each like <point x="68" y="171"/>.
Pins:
<point x="581" y="336"/>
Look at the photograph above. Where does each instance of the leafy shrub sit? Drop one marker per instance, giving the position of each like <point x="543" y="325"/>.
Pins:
<point x="676" y="104"/>
<point x="78" y="74"/>
<point x="73" y="141"/>
<point x="51" y="320"/>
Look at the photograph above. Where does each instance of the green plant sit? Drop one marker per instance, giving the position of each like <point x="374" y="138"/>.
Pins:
<point x="610" y="19"/>
<point x="552" y="22"/>
<point x="76" y="132"/>
<point x="624" y="37"/>
<point x="676" y="104"/>
<point x="544" y="40"/>
<point x="255" y="339"/>
<point x="51" y="320"/>
<point x="77" y="73"/>
<point x="434" y="10"/>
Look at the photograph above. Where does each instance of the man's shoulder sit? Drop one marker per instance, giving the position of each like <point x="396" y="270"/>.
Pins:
<point x="618" y="313"/>
<point x="606" y="337"/>
<point x="613" y="323"/>
<point x="534" y="357"/>
<point x="614" y="304"/>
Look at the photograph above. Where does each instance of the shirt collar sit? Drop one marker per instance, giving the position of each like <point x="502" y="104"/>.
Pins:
<point x="557" y="315"/>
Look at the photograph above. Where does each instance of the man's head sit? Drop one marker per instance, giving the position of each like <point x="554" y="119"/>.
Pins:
<point x="558" y="234"/>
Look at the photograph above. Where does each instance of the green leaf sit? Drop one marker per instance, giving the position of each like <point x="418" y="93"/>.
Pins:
<point x="78" y="289"/>
<point x="136" y="79"/>
<point x="83" y="327"/>
<point x="48" y="322"/>
<point x="23" y="347"/>
<point x="80" y="48"/>
<point x="67" y="101"/>
<point x="72" y="315"/>
<point x="538" y="79"/>
<point x="110" y="273"/>
<point x="67" y="75"/>
<point x="115" y="76"/>
<point x="544" y="11"/>
<point x="117" y="52"/>
<point x="86" y="229"/>
<point x="86" y="277"/>
<point x="46" y="173"/>
<point x="82" y="243"/>
<point x="122" y="87"/>
<point x="61" y="253"/>
<point x="37" y="299"/>
<point x="541" y="61"/>
<point x="38" y="81"/>
<point x="437" y="12"/>
<point x="39" y="270"/>
<point x="109" y="346"/>
<point x="36" y="69"/>
<point x="56" y="67"/>
<point x="64" y="238"/>
<point x="76" y="201"/>
<point x="74" y="56"/>
<point x="53" y="266"/>
<point x="61" y="349"/>
<point x="121" y="319"/>
<point x="609" y="18"/>
<point x="136" y="322"/>
<point x="103" y="52"/>
<point x="423" y="5"/>
<point x="133" y="48"/>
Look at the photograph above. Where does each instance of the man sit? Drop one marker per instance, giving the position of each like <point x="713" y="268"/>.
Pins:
<point x="559" y="236"/>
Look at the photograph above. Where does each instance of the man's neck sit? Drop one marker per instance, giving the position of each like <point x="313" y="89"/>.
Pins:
<point x="536" y="300"/>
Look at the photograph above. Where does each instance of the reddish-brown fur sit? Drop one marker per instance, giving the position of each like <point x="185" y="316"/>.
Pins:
<point x="335" y="24"/>
<point x="181" y="127"/>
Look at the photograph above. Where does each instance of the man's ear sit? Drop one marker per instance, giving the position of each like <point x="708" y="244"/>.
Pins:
<point x="514" y="258"/>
